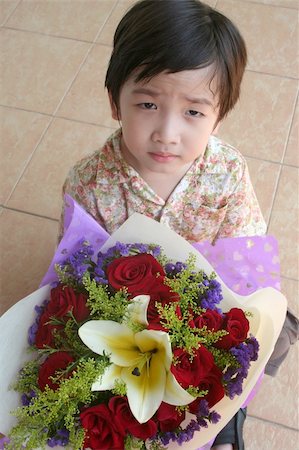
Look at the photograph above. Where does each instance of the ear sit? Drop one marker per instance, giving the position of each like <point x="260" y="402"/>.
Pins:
<point x="114" y="110"/>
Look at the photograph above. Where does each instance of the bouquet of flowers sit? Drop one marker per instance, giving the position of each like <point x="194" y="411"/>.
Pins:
<point x="133" y="349"/>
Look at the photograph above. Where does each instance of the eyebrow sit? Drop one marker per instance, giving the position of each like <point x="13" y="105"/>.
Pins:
<point x="200" y="100"/>
<point x="145" y="91"/>
<point x="196" y="100"/>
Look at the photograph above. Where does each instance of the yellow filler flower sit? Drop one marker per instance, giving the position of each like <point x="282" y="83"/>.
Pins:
<point x="142" y="360"/>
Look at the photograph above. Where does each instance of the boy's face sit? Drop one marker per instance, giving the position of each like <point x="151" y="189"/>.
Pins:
<point x="166" y="121"/>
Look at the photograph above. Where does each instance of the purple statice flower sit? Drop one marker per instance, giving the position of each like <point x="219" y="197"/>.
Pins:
<point x="174" y="269"/>
<point x="4" y="440"/>
<point x="156" y="251"/>
<point x="123" y="249"/>
<point x="203" y="416"/>
<point x="214" y="417"/>
<point x="99" y="275"/>
<point x="203" y="408"/>
<point x="26" y="398"/>
<point x="61" y="438"/>
<point x="80" y="261"/>
<point x="141" y="248"/>
<point x="39" y="309"/>
<point x="169" y="269"/>
<point x="212" y="295"/>
<point x="253" y="348"/>
<point x="244" y="354"/>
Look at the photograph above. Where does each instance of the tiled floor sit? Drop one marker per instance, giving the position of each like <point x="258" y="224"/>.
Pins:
<point x="54" y="111"/>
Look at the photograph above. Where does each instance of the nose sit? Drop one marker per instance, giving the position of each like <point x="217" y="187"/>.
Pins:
<point x="166" y="130"/>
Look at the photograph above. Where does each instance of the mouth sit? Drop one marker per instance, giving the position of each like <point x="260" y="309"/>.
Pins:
<point x="162" y="157"/>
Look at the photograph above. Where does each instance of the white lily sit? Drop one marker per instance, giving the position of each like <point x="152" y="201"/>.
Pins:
<point x="137" y="309"/>
<point x="142" y="360"/>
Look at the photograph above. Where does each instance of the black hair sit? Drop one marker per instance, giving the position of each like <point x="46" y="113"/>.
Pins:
<point x="174" y="35"/>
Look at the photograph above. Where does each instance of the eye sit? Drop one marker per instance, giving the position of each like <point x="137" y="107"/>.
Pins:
<point x="193" y="113"/>
<point x="148" y="105"/>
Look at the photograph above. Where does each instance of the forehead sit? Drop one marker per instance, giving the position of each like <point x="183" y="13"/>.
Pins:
<point x="187" y="83"/>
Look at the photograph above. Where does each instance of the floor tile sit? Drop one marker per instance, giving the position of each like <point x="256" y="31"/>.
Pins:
<point x="37" y="70"/>
<point x="264" y="177"/>
<point x="277" y="398"/>
<point x="284" y="221"/>
<point x="285" y="3"/>
<point x="20" y="132"/>
<point x="261" y="435"/>
<point x="39" y="190"/>
<point x="34" y="239"/>
<point x="270" y="34"/>
<point x="290" y="288"/>
<point x="292" y="152"/>
<point x="6" y="9"/>
<point x="107" y="33"/>
<point x="260" y="123"/>
<point x="87" y="100"/>
<point x="48" y="17"/>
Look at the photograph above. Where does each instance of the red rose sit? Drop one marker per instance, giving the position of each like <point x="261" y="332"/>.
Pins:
<point x="213" y="383"/>
<point x="189" y="371"/>
<point x="64" y="299"/>
<point x="237" y="326"/>
<point x="126" y="421"/>
<point x="169" y="417"/>
<point x="163" y="295"/>
<point x="137" y="273"/>
<point x="211" y="319"/>
<point x="45" y="332"/>
<point x="101" y="429"/>
<point x="56" y="361"/>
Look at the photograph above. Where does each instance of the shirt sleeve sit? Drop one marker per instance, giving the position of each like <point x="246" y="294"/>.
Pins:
<point x="243" y="214"/>
<point x="80" y="188"/>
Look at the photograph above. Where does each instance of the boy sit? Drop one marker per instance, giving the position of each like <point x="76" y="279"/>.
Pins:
<point x="174" y="74"/>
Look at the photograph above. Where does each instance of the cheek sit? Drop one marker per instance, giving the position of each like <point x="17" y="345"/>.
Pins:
<point x="197" y="140"/>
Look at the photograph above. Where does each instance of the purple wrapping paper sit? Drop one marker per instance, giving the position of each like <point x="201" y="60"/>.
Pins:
<point x="245" y="264"/>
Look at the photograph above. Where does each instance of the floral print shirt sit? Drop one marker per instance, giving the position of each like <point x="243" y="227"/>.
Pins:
<point x="214" y="199"/>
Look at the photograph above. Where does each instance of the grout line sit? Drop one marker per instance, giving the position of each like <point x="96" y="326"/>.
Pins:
<point x="67" y="38"/>
<point x="281" y="165"/>
<point x="39" y="33"/>
<point x="29" y="159"/>
<point x="58" y="105"/>
<point x="284" y="277"/>
<point x="10" y="14"/>
<point x="257" y="2"/>
<point x="278" y="163"/>
<point x="17" y="108"/>
<point x="29" y="213"/>
<point x="84" y="60"/>
<point x="276" y="75"/>
<point x="272" y="422"/>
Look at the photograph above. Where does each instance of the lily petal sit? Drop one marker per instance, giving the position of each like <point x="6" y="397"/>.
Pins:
<point x="145" y="392"/>
<point x="142" y="360"/>
<point x="138" y="309"/>
<point x="148" y="340"/>
<point x="107" y="380"/>
<point x="174" y="393"/>
<point x="110" y="337"/>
